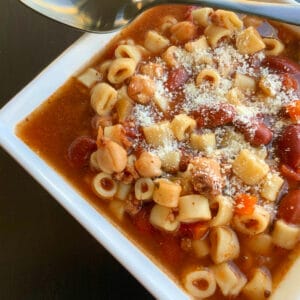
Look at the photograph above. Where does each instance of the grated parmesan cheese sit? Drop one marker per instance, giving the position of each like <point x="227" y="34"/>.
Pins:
<point x="143" y="115"/>
<point x="227" y="61"/>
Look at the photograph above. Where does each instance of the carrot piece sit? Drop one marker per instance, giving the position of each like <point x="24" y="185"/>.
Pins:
<point x="293" y="109"/>
<point x="244" y="204"/>
<point x="194" y="230"/>
<point x="199" y="229"/>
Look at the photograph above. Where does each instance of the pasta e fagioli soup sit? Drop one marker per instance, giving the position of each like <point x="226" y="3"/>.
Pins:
<point x="185" y="134"/>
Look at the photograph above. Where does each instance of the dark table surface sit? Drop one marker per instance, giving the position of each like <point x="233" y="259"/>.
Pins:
<point x="44" y="252"/>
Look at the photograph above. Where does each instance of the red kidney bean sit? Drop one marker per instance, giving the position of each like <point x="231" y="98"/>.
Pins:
<point x="176" y="78"/>
<point x="288" y="146"/>
<point x="80" y="150"/>
<point x="289" y="207"/>
<point x="257" y="134"/>
<point x="222" y="114"/>
<point x="289" y="173"/>
<point x="281" y="64"/>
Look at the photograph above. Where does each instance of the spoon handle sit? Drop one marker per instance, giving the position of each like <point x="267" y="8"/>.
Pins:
<point x="288" y="13"/>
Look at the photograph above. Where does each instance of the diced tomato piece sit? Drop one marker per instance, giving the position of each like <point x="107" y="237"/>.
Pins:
<point x="282" y="64"/>
<point x="222" y="114"/>
<point x="80" y="150"/>
<point x="177" y="77"/>
<point x="289" y="173"/>
<point x="188" y="15"/>
<point x="245" y="204"/>
<point x="293" y="110"/>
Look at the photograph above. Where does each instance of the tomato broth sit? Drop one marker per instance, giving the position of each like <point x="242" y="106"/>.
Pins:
<point x="66" y="130"/>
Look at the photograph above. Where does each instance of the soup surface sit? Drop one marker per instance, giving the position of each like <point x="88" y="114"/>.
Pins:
<point x="185" y="134"/>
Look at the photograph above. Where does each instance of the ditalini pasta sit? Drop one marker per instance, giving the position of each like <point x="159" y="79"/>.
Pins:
<point x="209" y="75"/>
<point x="186" y="132"/>
<point x="143" y="189"/>
<point x="206" y="286"/>
<point x="128" y="51"/>
<point x="121" y="69"/>
<point x="104" y="186"/>
<point x="224" y="244"/>
<point x="155" y="42"/>
<point x="103" y="98"/>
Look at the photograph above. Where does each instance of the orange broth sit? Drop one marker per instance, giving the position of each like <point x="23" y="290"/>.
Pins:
<point x="67" y="114"/>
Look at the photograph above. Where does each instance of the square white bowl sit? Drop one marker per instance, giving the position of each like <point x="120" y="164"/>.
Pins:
<point x="34" y="94"/>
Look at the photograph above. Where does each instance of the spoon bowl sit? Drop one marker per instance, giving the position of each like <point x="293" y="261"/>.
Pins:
<point x="105" y="16"/>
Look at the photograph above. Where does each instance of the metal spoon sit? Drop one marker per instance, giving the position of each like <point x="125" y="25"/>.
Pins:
<point x="109" y="15"/>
